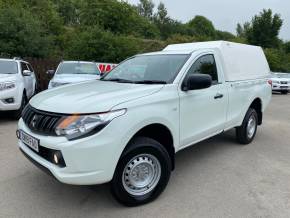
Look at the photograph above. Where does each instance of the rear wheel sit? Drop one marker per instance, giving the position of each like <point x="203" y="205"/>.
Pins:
<point x="247" y="131"/>
<point x="142" y="173"/>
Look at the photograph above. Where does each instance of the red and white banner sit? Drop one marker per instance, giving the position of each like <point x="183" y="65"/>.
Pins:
<point x="106" y="67"/>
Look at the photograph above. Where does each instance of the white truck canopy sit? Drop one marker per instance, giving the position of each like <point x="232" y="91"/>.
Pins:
<point x="240" y="61"/>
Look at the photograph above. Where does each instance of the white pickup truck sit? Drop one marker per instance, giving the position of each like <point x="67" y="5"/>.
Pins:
<point x="126" y="128"/>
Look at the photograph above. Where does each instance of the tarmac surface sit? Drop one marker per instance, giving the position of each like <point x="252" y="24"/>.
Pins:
<point x="215" y="178"/>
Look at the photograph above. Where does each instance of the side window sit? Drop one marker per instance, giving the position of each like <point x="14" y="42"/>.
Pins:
<point x="30" y="68"/>
<point x="205" y="65"/>
<point x="23" y="67"/>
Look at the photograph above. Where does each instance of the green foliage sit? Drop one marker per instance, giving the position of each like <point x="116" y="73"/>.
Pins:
<point x="68" y="10"/>
<point x="223" y="35"/>
<point x="178" y="38"/>
<point x="201" y="26"/>
<point x="112" y="30"/>
<point x="21" y="33"/>
<point x="263" y="30"/>
<point x="278" y="60"/>
<point x="145" y="8"/>
<point x="286" y="47"/>
<point x="96" y="44"/>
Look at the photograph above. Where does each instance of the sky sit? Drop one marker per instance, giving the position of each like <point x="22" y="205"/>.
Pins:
<point x="225" y="14"/>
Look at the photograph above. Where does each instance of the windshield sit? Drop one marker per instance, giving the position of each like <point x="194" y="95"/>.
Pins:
<point x="282" y="75"/>
<point x="8" y="67"/>
<point x="148" y="69"/>
<point x="78" y="68"/>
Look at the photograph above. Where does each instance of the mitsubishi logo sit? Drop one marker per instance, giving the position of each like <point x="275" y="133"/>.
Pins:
<point x="33" y="121"/>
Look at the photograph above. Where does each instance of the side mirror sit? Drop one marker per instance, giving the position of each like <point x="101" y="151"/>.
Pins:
<point x="197" y="81"/>
<point x="50" y="72"/>
<point x="26" y="73"/>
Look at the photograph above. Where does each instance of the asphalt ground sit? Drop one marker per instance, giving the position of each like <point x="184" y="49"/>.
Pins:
<point x="215" y="178"/>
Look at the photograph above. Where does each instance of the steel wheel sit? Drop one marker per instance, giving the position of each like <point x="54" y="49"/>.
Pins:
<point x="141" y="174"/>
<point x="251" y="126"/>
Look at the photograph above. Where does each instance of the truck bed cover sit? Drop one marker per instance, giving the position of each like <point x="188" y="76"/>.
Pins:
<point x="240" y="61"/>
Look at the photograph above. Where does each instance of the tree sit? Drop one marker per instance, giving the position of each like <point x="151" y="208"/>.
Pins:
<point x="224" y="35"/>
<point x="264" y="29"/>
<point x="22" y="34"/>
<point x="145" y="8"/>
<point x="286" y="47"/>
<point x="201" y="26"/>
<point x="116" y="17"/>
<point x="68" y="10"/>
<point x="278" y="60"/>
<point x="161" y="16"/>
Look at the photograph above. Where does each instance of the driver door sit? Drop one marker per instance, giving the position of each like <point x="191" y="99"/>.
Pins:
<point x="202" y="112"/>
<point x="28" y="80"/>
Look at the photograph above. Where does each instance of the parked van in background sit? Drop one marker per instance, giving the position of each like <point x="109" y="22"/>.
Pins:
<point x="69" y="72"/>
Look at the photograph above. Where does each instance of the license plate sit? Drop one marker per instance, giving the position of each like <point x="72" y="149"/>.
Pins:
<point x="284" y="87"/>
<point x="30" y="141"/>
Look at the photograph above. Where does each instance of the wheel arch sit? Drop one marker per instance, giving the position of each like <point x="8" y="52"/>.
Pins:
<point x="257" y="106"/>
<point x="160" y="133"/>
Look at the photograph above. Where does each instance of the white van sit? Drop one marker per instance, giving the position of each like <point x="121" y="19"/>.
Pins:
<point x="127" y="127"/>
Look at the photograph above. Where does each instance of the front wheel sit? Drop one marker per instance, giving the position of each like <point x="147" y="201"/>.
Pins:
<point x="284" y="92"/>
<point x="142" y="173"/>
<point x="247" y="131"/>
<point x="17" y="113"/>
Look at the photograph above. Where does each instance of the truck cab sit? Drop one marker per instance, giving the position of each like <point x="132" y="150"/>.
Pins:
<point x="127" y="127"/>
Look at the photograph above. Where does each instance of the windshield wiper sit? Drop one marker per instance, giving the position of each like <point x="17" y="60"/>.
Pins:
<point x="150" y="82"/>
<point x="118" y="80"/>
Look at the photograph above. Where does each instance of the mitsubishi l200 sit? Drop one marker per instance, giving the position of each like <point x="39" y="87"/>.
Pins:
<point x="126" y="128"/>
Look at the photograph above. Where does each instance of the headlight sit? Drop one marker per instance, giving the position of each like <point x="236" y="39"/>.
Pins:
<point x="77" y="126"/>
<point x="7" y="85"/>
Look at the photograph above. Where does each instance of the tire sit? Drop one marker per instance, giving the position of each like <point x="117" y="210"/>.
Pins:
<point x="147" y="154"/>
<point x="284" y="92"/>
<point x="17" y="114"/>
<point x="247" y="131"/>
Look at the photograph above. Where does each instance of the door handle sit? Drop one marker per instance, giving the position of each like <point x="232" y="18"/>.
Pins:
<point x="218" y="95"/>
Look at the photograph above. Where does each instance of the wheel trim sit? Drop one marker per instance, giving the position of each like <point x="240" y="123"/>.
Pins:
<point x="141" y="174"/>
<point x="251" y="126"/>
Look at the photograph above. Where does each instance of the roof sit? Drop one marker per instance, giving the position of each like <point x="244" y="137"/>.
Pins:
<point x="84" y="62"/>
<point x="202" y="45"/>
<point x="8" y="59"/>
<point x="167" y="52"/>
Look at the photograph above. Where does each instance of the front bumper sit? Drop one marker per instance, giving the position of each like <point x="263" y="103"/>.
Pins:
<point x="10" y="93"/>
<point x="89" y="161"/>
<point x="281" y="87"/>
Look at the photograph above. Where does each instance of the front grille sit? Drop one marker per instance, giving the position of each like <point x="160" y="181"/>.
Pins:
<point x="40" y="121"/>
<point x="282" y="82"/>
